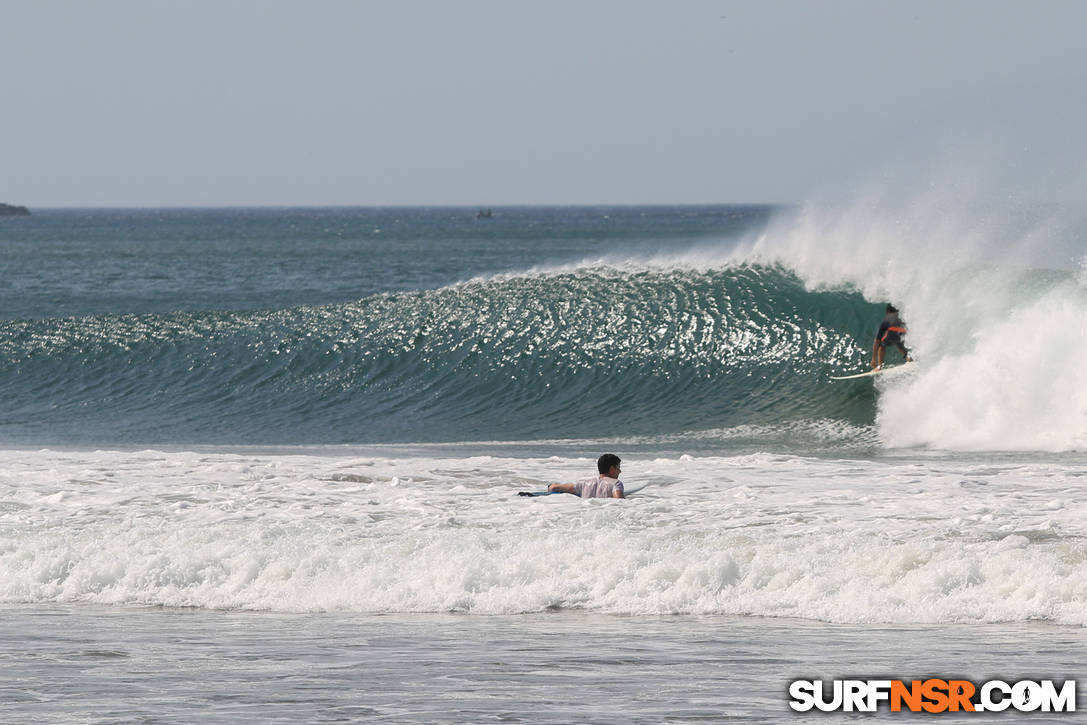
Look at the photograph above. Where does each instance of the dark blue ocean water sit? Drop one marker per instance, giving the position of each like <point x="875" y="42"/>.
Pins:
<point x="80" y="262"/>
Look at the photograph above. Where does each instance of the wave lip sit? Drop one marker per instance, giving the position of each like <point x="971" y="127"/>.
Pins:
<point x="990" y="293"/>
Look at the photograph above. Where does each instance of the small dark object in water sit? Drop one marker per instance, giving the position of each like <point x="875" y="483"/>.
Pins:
<point x="9" y="210"/>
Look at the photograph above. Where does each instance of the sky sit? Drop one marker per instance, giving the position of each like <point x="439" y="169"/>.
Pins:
<point x="494" y="102"/>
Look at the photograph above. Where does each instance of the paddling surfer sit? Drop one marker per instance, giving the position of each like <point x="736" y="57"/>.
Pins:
<point x="604" y="485"/>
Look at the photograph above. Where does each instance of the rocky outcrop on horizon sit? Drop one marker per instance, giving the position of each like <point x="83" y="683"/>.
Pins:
<point x="9" y="210"/>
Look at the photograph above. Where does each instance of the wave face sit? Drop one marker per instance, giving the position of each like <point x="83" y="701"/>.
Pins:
<point x="589" y="351"/>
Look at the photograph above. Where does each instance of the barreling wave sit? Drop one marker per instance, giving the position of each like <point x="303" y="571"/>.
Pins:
<point x="586" y="352"/>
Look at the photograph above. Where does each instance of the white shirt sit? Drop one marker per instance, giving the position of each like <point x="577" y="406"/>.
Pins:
<point x="597" y="487"/>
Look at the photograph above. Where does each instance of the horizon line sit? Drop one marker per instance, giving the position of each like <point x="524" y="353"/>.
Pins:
<point x="516" y="205"/>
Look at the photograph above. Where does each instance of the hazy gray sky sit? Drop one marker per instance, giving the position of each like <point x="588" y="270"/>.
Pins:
<point x="488" y="102"/>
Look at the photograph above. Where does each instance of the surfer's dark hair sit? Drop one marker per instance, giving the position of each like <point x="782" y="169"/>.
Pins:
<point x="606" y="461"/>
<point x="891" y="308"/>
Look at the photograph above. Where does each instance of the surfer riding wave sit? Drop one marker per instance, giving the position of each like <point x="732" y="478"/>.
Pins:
<point x="890" y="333"/>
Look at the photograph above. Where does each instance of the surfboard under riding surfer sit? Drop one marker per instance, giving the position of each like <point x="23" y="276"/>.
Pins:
<point x="891" y="331"/>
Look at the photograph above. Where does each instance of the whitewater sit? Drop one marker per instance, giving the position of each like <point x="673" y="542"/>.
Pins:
<point x="757" y="535"/>
<point x="261" y="465"/>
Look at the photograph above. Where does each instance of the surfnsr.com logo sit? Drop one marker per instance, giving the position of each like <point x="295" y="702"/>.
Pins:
<point x="932" y="695"/>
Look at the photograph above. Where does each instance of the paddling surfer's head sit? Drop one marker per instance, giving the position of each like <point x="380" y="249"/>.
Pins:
<point x="605" y="463"/>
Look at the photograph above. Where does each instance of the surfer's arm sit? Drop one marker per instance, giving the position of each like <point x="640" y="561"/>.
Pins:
<point x="561" y="488"/>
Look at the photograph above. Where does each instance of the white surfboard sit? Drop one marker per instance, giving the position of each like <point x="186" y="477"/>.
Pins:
<point x="870" y="373"/>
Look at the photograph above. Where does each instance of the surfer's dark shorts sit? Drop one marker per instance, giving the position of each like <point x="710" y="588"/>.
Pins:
<point x="891" y="338"/>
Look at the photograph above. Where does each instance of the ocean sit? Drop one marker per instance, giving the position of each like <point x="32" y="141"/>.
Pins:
<point x="261" y="465"/>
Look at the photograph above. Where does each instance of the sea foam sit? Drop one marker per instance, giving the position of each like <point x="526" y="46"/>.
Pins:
<point x="894" y="540"/>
